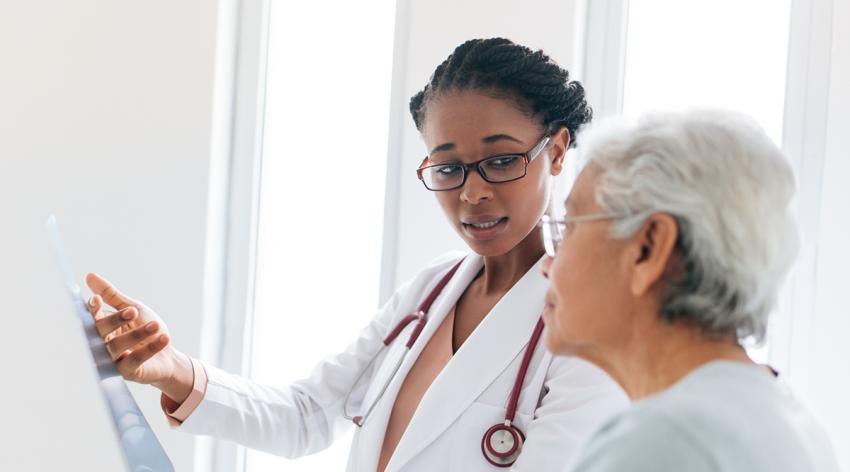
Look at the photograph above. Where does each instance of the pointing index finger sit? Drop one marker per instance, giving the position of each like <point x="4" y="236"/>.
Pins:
<point x="108" y="292"/>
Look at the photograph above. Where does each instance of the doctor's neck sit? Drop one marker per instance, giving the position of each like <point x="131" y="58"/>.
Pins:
<point x="501" y="272"/>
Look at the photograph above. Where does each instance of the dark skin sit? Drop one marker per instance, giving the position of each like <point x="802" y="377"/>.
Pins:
<point x="467" y="126"/>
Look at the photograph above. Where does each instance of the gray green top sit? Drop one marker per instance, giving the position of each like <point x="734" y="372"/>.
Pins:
<point x="724" y="416"/>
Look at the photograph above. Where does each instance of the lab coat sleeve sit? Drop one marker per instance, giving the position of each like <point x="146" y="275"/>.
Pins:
<point x="578" y="398"/>
<point x="298" y="419"/>
<point x="305" y="416"/>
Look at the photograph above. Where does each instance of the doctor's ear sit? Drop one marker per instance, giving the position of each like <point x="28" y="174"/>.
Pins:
<point x="651" y="251"/>
<point x="558" y="145"/>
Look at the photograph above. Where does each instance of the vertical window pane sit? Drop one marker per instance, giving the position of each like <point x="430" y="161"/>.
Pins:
<point x="321" y="203"/>
<point x="724" y="53"/>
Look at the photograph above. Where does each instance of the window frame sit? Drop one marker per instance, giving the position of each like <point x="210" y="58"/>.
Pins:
<point x="235" y="189"/>
<point x="233" y="215"/>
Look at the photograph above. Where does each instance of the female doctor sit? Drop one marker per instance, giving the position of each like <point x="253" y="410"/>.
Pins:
<point x="449" y="375"/>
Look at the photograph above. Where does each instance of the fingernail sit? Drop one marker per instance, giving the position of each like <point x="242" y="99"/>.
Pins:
<point x="127" y="315"/>
<point x="151" y="327"/>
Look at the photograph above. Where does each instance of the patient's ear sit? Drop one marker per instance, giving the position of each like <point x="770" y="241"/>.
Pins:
<point x="650" y="251"/>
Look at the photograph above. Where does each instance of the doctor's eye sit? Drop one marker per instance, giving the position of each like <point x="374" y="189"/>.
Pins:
<point x="501" y="163"/>
<point x="447" y="171"/>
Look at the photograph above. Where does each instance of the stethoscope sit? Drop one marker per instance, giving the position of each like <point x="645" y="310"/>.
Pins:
<point x="502" y="443"/>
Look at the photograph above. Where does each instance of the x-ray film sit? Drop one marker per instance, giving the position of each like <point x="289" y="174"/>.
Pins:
<point x="142" y="450"/>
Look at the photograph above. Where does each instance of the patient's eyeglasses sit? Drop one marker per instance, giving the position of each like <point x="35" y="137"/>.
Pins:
<point x="494" y="169"/>
<point x="554" y="229"/>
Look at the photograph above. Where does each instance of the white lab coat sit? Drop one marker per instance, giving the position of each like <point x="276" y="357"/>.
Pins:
<point x="563" y="399"/>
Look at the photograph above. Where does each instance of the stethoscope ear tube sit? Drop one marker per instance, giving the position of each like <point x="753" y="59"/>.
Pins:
<point x="414" y="335"/>
<point x="400" y="326"/>
<point x="360" y="420"/>
<point x="421" y="316"/>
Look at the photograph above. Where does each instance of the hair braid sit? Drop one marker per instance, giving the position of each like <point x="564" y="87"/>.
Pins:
<point x="502" y="66"/>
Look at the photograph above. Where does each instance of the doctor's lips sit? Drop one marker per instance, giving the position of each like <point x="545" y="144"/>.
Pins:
<point x="484" y="227"/>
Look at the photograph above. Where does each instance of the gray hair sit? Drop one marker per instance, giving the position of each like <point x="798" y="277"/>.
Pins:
<point x="728" y="186"/>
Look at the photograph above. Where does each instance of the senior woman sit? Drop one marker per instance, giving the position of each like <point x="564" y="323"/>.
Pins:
<point x="676" y="238"/>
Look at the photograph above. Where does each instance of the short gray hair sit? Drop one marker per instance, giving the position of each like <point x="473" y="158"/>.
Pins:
<point x="729" y="188"/>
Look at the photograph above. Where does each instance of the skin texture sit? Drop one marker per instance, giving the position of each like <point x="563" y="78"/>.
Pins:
<point x="468" y="126"/>
<point x="463" y="119"/>
<point x="605" y="297"/>
<point x="138" y="341"/>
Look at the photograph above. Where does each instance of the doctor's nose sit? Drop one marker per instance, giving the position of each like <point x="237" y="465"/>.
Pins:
<point x="476" y="189"/>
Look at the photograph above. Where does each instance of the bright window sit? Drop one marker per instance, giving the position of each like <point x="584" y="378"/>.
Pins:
<point x="725" y="53"/>
<point x="322" y="192"/>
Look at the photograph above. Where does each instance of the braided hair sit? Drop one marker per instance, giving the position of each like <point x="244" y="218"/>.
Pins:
<point x="499" y="66"/>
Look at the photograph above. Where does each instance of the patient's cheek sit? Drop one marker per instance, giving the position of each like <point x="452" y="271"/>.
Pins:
<point x="551" y="340"/>
<point x="553" y="334"/>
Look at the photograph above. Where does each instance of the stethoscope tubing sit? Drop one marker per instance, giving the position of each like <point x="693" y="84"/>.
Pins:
<point x="523" y="369"/>
<point x="421" y="317"/>
<point x="502" y="434"/>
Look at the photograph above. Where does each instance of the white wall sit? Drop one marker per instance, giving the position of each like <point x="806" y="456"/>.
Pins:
<point x="105" y="120"/>
<point x="434" y="29"/>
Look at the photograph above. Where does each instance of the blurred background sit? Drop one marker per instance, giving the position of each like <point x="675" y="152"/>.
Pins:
<point x="246" y="168"/>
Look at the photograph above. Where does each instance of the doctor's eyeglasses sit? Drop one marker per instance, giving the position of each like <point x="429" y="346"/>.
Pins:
<point x="494" y="169"/>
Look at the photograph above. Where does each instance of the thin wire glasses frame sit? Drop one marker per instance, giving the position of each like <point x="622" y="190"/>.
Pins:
<point x="526" y="158"/>
<point x="553" y="229"/>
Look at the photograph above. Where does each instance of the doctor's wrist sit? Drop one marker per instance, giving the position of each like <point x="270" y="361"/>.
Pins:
<point x="178" y="384"/>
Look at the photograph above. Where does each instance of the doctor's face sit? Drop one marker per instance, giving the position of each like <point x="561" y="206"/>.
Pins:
<point x="467" y="126"/>
<point x="588" y="302"/>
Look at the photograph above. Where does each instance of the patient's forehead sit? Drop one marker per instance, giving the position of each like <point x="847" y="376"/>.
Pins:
<point x="581" y="198"/>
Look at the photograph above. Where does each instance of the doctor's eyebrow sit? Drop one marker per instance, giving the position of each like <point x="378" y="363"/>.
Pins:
<point x="487" y="140"/>
<point x="500" y="137"/>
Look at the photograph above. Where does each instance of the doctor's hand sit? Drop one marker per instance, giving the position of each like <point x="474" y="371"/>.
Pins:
<point x="138" y="341"/>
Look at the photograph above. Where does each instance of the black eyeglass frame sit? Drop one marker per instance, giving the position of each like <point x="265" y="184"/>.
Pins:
<point x="527" y="158"/>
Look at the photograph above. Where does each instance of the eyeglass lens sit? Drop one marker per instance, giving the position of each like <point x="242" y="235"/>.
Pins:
<point x="495" y="169"/>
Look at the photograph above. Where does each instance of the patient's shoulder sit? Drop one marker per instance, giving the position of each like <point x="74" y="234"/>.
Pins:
<point x="643" y="439"/>
<point x="724" y="416"/>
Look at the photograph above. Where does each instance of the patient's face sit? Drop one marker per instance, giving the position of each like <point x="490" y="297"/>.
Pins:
<point x="467" y="126"/>
<point x="587" y="304"/>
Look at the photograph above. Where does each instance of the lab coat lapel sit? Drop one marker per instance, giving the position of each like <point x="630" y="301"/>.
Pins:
<point x="372" y="433"/>
<point x="498" y="340"/>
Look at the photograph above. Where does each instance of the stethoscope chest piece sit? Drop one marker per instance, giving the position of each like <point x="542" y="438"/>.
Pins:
<point x="502" y="444"/>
